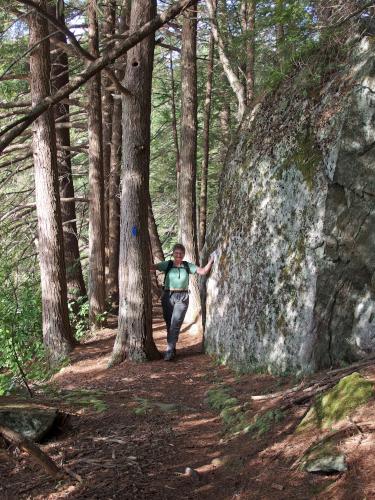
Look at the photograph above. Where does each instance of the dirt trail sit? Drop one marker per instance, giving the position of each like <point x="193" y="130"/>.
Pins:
<point x="137" y="427"/>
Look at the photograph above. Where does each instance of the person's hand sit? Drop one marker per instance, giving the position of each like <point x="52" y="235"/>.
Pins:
<point x="214" y="255"/>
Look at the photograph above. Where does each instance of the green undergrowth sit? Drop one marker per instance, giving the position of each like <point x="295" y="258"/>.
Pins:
<point x="237" y="417"/>
<point x="350" y="393"/>
<point x="145" y="406"/>
<point x="78" y="398"/>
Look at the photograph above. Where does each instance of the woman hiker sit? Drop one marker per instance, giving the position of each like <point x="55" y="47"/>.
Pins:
<point x="175" y="298"/>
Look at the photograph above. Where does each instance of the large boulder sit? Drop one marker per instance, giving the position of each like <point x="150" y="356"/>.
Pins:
<point x="33" y="421"/>
<point x="293" y="287"/>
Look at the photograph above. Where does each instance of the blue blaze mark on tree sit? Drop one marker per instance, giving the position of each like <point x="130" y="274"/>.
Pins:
<point x="134" y="231"/>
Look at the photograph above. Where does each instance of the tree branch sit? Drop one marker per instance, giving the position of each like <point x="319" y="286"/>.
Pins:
<point x="10" y="132"/>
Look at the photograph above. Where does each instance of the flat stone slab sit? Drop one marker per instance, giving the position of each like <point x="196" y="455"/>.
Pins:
<point x="329" y="463"/>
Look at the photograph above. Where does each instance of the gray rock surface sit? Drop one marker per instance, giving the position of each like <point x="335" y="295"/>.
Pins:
<point x="329" y="463"/>
<point x="33" y="423"/>
<point x="293" y="286"/>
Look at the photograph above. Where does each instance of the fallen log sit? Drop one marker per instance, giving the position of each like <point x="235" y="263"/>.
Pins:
<point x="36" y="454"/>
<point x="314" y="387"/>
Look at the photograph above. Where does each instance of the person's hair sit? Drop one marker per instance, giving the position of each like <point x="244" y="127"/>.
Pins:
<point x="178" y="246"/>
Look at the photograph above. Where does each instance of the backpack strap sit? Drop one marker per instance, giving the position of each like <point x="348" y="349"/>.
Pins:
<point x="186" y="266"/>
<point x="169" y="267"/>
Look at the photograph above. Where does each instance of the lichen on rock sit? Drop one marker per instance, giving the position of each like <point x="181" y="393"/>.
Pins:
<point x="325" y="457"/>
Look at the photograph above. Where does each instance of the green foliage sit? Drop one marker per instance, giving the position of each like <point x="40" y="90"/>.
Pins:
<point x="264" y="422"/>
<point x="219" y="398"/>
<point x="80" y="398"/>
<point x="236" y="417"/>
<point x="20" y="328"/>
<point x="145" y="406"/>
<point x="79" y="316"/>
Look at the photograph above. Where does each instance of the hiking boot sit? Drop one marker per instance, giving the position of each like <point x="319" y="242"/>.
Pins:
<point x="170" y="355"/>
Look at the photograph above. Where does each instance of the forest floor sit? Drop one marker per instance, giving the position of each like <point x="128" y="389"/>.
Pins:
<point x="135" y="428"/>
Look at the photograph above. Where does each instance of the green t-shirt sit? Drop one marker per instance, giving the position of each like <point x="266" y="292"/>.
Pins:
<point x="177" y="278"/>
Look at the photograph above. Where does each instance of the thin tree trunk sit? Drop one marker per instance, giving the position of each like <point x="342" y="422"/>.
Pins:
<point x="114" y="203"/>
<point x="206" y="145"/>
<point x="96" y="182"/>
<point x="280" y="35"/>
<point x="57" y="334"/>
<point x="248" y="10"/>
<point x="114" y="177"/>
<point x="157" y="254"/>
<point x="156" y="248"/>
<point x="134" y="338"/>
<point x="233" y="79"/>
<point x="188" y="155"/>
<point x="174" y="129"/>
<point x="224" y="119"/>
<point x="60" y="77"/>
<point x="107" y="110"/>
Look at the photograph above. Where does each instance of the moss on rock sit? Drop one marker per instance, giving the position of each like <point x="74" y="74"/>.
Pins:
<point x="351" y="392"/>
<point x="306" y="157"/>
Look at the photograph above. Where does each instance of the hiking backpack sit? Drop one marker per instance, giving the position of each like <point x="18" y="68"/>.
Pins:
<point x="169" y="267"/>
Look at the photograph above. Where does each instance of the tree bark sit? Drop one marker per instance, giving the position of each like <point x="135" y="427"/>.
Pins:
<point x="156" y="248"/>
<point x="114" y="177"/>
<point x="114" y="204"/>
<point x="224" y="119"/>
<point x="280" y="35"/>
<point x="206" y="144"/>
<point x="248" y="9"/>
<point x="96" y="182"/>
<point x="174" y="128"/>
<point x="60" y="77"/>
<point x="57" y="334"/>
<point x="134" y="339"/>
<point x="188" y="156"/>
<point x="107" y="108"/>
<point x="157" y="254"/>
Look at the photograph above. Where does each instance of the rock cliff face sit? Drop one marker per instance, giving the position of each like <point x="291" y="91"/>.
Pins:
<point x="293" y="288"/>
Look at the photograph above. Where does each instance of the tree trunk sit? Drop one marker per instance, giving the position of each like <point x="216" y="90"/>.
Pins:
<point x="235" y="83"/>
<point x="248" y="29"/>
<point x="157" y="254"/>
<point x="114" y="203"/>
<point x="107" y="108"/>
<point x="174" y="129"/>
<point x="57" y="334"/>
<point x="206" y="145"/>
<point x="280" y="35"/>
<point x="114" y="177"/>
<point x="134" y="338"/>
<point x="188" y="155"/>
<point x="96" y="182"/>
<point x="156" y="248"/>
<point x="60" y="77"/>
<point x="224" y="119"/>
